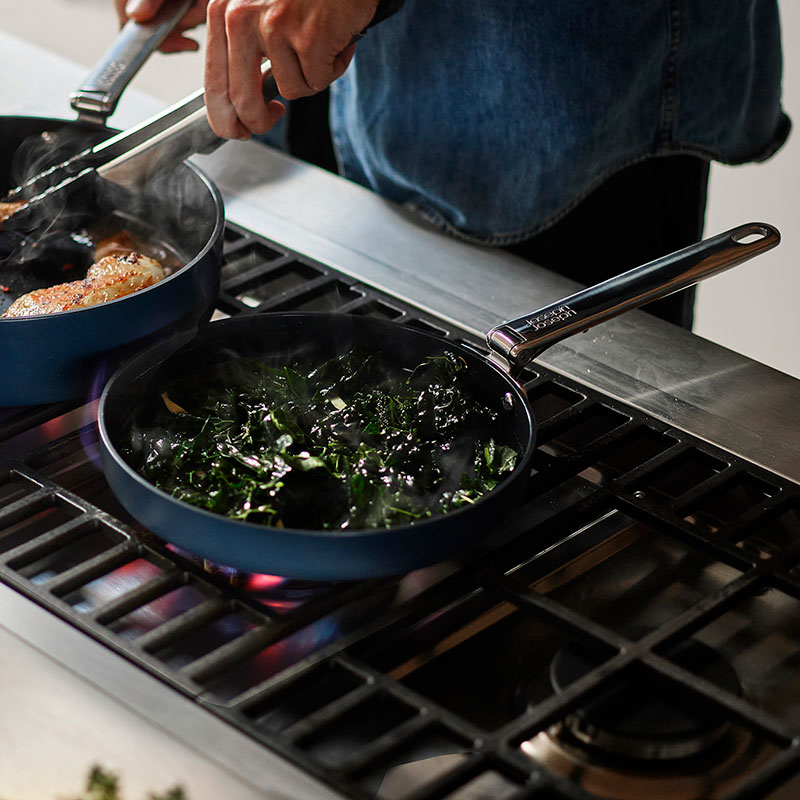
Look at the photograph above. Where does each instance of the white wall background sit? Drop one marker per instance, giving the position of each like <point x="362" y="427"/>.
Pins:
<point x="752" y="309"/>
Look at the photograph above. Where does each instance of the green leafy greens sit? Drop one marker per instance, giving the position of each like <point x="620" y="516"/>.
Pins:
<point x="352" y="443"/>
<point x="104" y="785"/>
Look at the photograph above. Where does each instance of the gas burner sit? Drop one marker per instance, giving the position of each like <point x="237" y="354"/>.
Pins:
<point x="707" y="775"/>
<point x="272" y="591"/>
<point x="647" y="736"/>
<point x="634" y="721"/>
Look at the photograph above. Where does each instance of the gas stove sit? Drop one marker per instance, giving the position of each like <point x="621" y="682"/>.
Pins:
<point x="631" y="630"/>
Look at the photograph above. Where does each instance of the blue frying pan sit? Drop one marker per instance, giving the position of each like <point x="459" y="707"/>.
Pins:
<point x="54" y="357"/>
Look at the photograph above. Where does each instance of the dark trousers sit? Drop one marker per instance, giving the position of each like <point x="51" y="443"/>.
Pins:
<point x="639" y="214"/>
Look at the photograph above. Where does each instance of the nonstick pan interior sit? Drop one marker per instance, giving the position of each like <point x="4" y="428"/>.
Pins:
<point x="281" y="339"/>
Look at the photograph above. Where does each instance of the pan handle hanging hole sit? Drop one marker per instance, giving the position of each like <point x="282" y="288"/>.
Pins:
<point x="508" y="401"/>
<point x="750" y="235"/>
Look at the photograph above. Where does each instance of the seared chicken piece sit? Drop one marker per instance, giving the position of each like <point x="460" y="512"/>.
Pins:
<point x="7" y="209"/>
<point x="107" y="279"/>
<point x="120" y="243"/>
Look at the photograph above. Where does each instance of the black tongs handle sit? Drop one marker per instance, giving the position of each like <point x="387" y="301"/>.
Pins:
<point x="385" y="9"/>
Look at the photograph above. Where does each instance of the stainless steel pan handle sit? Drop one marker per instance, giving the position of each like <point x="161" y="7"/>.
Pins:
<point x="100" y="92"/>
<point x="133" y="157"/>
<point x="524" y="338"/>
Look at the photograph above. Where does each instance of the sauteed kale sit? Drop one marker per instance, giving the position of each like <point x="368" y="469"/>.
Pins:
<point x="350" y="444"/>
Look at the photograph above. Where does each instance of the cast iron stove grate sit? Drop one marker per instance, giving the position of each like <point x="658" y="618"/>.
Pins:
<point x="633" y="629"/>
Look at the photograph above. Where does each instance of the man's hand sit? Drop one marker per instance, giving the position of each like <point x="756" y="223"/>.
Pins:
<point x="308" y="42"/>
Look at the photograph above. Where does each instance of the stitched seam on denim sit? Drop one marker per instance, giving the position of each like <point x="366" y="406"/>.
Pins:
<point x="438" y="220"/>
<point x="670" y="75"/>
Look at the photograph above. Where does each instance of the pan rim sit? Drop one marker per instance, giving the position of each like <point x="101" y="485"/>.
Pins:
<point x="110" y="450"/>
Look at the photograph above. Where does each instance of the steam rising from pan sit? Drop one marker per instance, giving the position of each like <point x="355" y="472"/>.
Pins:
<point x="53" y="357"/>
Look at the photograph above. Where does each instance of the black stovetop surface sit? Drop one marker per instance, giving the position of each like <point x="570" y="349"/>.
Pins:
<point x="646" y="590"/>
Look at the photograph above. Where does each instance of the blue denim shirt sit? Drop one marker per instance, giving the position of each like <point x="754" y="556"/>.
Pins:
<point x="493" y="118"/>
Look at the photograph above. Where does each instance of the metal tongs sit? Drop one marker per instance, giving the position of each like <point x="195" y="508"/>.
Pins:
<point x="130" y="159"/>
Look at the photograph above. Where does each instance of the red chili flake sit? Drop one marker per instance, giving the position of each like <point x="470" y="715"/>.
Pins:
<point x="67" y="267"/>
<point x="4" y="288"/>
